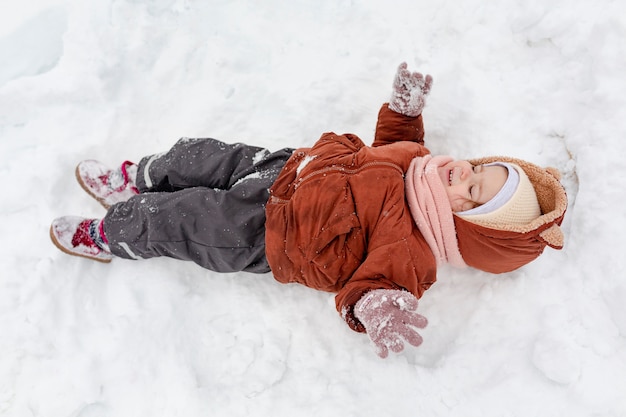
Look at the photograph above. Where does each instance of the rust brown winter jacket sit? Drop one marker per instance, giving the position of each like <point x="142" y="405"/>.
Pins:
<point x="338" y="220"/>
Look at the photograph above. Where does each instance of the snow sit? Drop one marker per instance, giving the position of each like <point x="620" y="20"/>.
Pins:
<point x="304" y="163"/>
<point x="119" y="79"/>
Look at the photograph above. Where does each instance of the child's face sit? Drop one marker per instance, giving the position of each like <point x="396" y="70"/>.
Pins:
<point x="469" y="186"/>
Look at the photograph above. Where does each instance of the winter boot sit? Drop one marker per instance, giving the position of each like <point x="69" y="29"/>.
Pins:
<point x="108" y="186"/>
<point x="81" y="237"/>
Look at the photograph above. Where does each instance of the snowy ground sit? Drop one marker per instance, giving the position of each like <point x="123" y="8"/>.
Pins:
<point x="118" y="79"/>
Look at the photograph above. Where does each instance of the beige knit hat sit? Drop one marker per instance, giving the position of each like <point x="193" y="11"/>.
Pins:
<point x="519" y="207"/>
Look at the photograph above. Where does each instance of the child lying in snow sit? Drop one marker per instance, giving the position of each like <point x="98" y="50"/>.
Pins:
<point x="368" y="223"/>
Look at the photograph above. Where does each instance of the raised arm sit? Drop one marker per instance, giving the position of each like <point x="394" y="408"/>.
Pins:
<point x="401" y="118"/>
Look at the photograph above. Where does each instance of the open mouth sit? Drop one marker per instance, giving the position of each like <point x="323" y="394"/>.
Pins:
<point x="445" y="174"/>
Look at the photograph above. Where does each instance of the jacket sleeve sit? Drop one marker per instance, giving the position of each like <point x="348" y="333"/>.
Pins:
<point x="377" y="272"/>
<point x="394" y="127"/>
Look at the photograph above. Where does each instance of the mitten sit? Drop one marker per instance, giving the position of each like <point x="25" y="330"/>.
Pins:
<point x="389" y="316"/>
<point x="409" y="92"/>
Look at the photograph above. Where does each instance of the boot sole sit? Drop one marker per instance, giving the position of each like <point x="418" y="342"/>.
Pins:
<point x="64" y="250"/>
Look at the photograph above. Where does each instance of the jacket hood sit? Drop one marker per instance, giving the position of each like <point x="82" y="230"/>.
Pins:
<point x="498" y="247"/>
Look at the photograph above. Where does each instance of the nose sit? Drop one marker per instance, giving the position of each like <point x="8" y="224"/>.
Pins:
<point x="465" y="173"/>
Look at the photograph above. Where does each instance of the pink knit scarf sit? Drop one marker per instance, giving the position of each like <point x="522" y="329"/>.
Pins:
<point x="431" y="209"/>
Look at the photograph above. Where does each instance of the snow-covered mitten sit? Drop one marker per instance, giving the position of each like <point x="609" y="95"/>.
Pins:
<point x="410" y="90"/>
<point x="389" y="316"/>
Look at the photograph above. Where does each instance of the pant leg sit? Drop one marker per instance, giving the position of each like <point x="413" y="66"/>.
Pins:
<point x="203" y="162"/>
<point x="219" y="229"/>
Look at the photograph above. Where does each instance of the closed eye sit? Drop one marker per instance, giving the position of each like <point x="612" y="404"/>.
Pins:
<point x="473" y="188"/>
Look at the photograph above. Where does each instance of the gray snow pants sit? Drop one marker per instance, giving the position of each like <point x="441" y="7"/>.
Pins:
<point x="202" y="201"/>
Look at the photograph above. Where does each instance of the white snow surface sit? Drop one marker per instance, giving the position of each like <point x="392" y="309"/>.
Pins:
<point x="120" y="79"/>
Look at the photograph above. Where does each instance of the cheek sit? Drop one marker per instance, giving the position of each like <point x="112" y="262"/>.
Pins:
<point x="461" y="206"/>
<point x="458" y="201"/>
<point x="467" y="205"/>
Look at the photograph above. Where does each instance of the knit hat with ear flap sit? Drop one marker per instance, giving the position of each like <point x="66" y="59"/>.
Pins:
<point x="498" y="246"/>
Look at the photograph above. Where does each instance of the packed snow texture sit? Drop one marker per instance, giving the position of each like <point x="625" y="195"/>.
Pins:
<point x="120" y="79"/>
